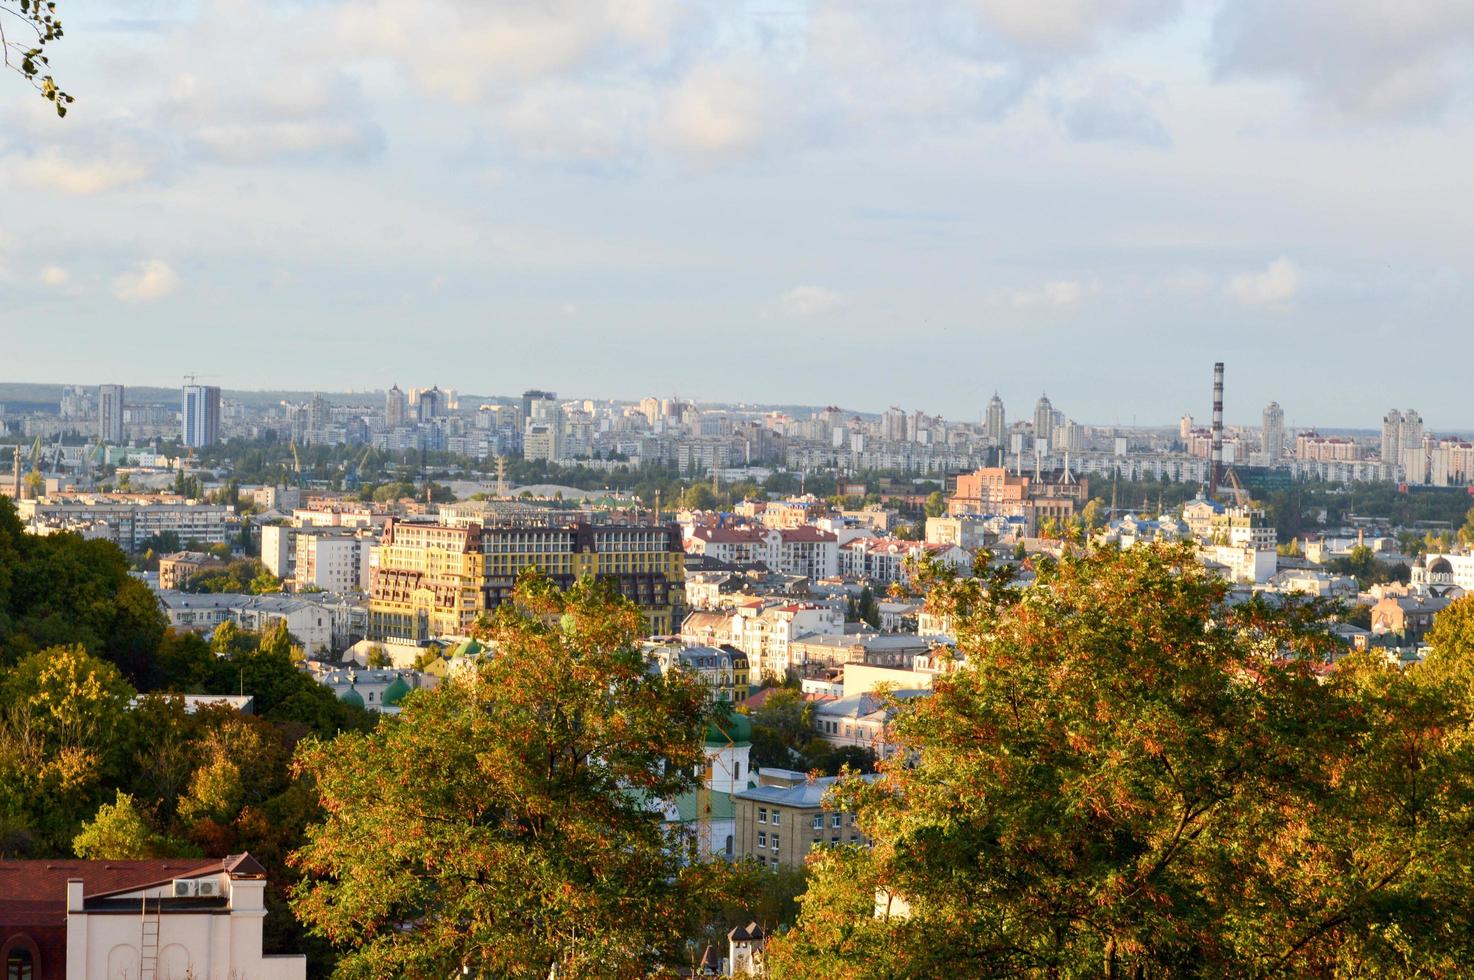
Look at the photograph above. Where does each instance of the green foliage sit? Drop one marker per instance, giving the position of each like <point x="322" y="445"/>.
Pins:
<point x="864" y="608"/>
<point x="119" y="832"/>
<point x="526" y="847"/>
<point x="1143" y="780"/>
<point x="698" y="496"/>
<point x="247" y="577"/>
<point x="60" y="590"/>
<point x="1361" y="562"/>
<point x="936" y="504"/>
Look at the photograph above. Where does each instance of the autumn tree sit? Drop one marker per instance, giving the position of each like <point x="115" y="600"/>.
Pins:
<point x="120" y="832"/>
<point x="1131" y="777"/>
<point x="500" y="825"/>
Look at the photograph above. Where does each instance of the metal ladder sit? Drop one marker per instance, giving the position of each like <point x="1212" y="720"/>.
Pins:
<point x="148" y="943"/>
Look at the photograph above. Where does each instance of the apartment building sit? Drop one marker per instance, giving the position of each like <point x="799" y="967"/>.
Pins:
<point x="993" y="490"/>
<point x="436" y="579"/>
<point x="784" y="817"/>
<point x="724" y="670"/>
<point x="806" y="551"/>
<point x="130" y="520"/>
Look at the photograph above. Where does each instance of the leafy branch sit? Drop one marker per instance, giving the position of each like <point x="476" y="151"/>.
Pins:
<point x="28" y="57"/>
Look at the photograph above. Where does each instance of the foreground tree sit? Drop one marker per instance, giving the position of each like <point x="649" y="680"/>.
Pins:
<point x="1130" y="777"/>
<point x="498" y="825"/>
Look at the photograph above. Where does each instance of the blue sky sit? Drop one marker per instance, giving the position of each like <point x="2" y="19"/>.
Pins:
<point x="866" y="202"/>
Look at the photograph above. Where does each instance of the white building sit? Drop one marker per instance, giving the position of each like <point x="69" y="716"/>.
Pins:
<point x="169" y="918"/>
<point x="309" y="622"/>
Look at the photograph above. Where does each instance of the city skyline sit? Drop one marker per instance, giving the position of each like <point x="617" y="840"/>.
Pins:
<point x="1024" y="405"/>
<point x="1121" y="193"/>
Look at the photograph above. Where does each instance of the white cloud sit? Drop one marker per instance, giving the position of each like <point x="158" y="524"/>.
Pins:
<point x="1110" y="107"/>
<point x="52" y="170"/>
<point x="1067" y="25"/>
<point x="1055" y="294"/>
<point x="1274" y="287"/>
<point x="809" y="301"/>
<point x="247" y="143"/>
<point x="718" y="110"/>
<point x="151" y="280"/>
<point x="55" y="275"/>
<point x="469" y="51"/>
<point x="1371" y="58"/>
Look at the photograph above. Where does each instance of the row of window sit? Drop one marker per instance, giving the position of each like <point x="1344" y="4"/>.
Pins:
<point x="763" y="838"/>
<point x="773" y="817"/>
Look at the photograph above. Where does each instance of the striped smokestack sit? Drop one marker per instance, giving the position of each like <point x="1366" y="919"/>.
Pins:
<point x="1216" y="457"/>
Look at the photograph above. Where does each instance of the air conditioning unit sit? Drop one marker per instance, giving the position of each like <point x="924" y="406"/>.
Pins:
<point x="209" y="888"/>
<point x="185" y="888"/>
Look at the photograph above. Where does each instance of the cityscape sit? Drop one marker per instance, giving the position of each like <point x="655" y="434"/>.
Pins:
<point x="800" y="489"/>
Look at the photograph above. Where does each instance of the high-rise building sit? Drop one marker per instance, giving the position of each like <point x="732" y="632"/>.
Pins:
<point x="893" y="425"/>
<point x="396" y="407"/>
<point x="535" y="404"/>
<point x="430" y="404"/>
<point x="76" y="402"/>
<point x="1410" y="432"/>
<point x="199" y="412"/>
<point x="110" y="414"/>
<point x="318" y="416"/>
<point x="1273" y="434"/>
<point x="1043" y="418"/>
<point x="1391" y="437"/>
<point x="1185" y="427"/>
<point x="995" y="423"/>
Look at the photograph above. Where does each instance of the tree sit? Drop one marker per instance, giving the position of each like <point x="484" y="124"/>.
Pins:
<point x="1129" y="776"/>
<point x="780" y="726"/>
<point x="528" y="847"/>
<point x="936" y="504"/>
<point x="120" y="832"/>
<point x="698" y="496"/>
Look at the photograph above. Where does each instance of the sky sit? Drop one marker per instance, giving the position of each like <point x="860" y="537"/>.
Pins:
<point x="860" y="202"/>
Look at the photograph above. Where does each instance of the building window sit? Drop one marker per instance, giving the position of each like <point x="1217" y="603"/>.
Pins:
<point x="818" y="821"/>
<point x="775" y="842"/>
<point x="762" y="838"/>
<point x="762" y="814"/>
<point x="20" y="965"/>
<point x="774" y="818"/>
<point x="837" y="820"/>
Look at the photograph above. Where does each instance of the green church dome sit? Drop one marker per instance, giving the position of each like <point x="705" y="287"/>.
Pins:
<point x="395" y="692"/>
<point x="734" y="726"/>
<point x="351" y="696"/>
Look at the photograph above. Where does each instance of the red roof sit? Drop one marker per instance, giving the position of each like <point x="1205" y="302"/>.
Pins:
<point x="727" y="535"/>
<point x="36" y="891"/>
<point x="807" y="534"/>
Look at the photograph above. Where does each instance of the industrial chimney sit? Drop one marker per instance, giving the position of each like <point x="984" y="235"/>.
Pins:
<point x="1216" y="455"/>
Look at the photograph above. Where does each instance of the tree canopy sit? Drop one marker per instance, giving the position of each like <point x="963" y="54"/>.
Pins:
<point x="500" y="824"/>
<point x="1130" y="776"/>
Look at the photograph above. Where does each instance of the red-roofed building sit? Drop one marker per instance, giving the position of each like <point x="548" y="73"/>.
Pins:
<point x="171" y="918"/>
